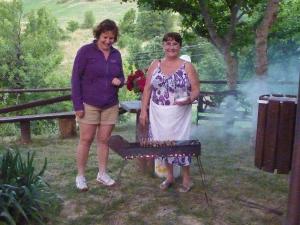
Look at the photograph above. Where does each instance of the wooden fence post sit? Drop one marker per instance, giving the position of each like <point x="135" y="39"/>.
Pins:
<point x="25" y="132"/>
<point x="67" y="127"/>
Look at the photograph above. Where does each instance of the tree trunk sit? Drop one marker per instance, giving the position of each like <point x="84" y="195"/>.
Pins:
<point x="261" y="41"/>
<point x="232" y="69"/>
<point x="223" y="44"/>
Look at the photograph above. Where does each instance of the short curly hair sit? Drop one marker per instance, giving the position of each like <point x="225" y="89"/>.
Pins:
<point x="104" y="26"/>
<point x="173" y="36"/>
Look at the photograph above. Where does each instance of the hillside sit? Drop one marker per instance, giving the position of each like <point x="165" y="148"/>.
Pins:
<point x="66" y="10"/>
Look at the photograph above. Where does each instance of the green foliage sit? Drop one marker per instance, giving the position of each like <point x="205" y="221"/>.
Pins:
<point x="150" y="51"/>
<point x="134" y="47"/>
<point x="89" y="20"/>
<point x="220" y="12"/>
<point x="127" y="24"/>
<point x="142" y="35"/>
<point x="72" y="26"/>
<point x="28" y="51"/>
<point x="150" y="24"/>
<point x="24" y="195"/>
<point x="284" y="38"/>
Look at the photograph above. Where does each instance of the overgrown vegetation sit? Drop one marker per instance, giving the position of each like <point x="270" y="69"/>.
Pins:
<point x="24" y="195"/>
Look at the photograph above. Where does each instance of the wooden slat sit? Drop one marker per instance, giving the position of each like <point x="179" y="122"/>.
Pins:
<point x="31" y="90"/>
<point x="260" y="134"/>
<point x="269" y="156"/>
<point x="220" y="93"/>
<point x="37" y="117"/>
<point x="35" y="103"/>
<point x="71" y="115"/>
<point x="285" y="136"/>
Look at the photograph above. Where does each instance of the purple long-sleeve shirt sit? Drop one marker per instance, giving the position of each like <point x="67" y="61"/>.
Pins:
<point x="92" y="77"/>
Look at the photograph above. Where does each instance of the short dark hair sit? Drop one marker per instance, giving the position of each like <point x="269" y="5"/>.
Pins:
<point x="173" y="36"/>
<point x="104" y="26"/>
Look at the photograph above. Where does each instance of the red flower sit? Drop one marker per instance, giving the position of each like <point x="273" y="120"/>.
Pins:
<point x="141" y="83"/>
<point x="139" y="73"/>
<point x="129" y="83"/>
<point x="136" y="81"/>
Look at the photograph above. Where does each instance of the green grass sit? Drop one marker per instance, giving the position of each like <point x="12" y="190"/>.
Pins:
<point x="232" y="181"/>
<point x="75" y="9"/>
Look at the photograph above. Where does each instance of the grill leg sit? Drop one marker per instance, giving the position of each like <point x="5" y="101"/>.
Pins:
<point x="124" y="163"/>
<point x="203" y="178"/>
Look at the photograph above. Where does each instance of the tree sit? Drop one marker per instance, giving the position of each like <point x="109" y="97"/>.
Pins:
<point x="261" y="40"/>
<point x="284" y="39"/>
<point x="28" y="48"/>
<point x="150" y="24"/>
<point x="72" y="25"/>
<point x="89" y="19"/>
<point x="142" y="34"/>
<point x="226" y="24"/>
<point x="11" y="60"/>
<point x="127" y="24"/>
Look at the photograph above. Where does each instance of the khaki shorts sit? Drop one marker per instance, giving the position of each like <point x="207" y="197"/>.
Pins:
<point x="94" y="115"/>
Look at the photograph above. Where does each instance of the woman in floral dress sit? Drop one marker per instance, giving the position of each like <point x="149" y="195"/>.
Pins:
<point x="172" y="85"/>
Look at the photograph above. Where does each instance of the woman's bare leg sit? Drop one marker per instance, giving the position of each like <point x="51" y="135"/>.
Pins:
<point x="87" y="134"/>
<point x="103" y="135"/>
<point x="186" y="179"/>
<point x="170" y="175"/>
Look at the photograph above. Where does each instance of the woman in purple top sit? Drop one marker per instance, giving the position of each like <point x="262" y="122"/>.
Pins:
<point x="96" y="78"/>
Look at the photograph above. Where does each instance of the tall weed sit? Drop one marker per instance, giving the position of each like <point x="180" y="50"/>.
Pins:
<point x="24" y="196"/>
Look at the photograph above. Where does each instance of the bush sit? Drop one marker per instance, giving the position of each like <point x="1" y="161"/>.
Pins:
<point x="25" y="197"/>
<point x="89" y="20"/>
<point x="72" y="26"/>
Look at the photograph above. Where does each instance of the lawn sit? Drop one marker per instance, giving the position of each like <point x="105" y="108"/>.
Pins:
<point x="239" y="193"/>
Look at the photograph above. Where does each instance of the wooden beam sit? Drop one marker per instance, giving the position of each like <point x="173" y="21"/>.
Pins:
<point x="35" y="103"/>
<point x="34" y="90"/>
<point x="14" y="119"/>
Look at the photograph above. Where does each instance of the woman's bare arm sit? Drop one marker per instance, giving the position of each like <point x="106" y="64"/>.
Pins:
<point x="147" y="94"/>
<point x="194" y="81"/>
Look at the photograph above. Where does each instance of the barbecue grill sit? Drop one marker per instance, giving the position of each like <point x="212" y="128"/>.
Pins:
<point x="154" y="149"/>
<point x="132" y="150"/>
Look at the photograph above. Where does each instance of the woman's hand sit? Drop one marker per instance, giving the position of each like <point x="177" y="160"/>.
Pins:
<point x="143" y="119"/>
<point x="79" y="114"/>
<point x="116" y="82"/>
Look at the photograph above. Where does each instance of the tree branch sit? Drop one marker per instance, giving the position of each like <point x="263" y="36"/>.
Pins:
<point x="261" y="41"/>
<point x="216" y="39"/>
<point x="233" y="21"/>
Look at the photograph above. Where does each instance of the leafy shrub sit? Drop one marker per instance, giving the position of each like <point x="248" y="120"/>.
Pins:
<point x="89" y="20"/>
<point x="72" y="26"/>
<point x="24" y="196"/>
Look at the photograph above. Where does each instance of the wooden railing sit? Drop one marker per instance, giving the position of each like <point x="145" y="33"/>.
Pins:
<point x="66" y="119"/>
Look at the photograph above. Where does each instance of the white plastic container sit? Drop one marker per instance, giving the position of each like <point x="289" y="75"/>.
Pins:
<point x="160" y="169"/>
